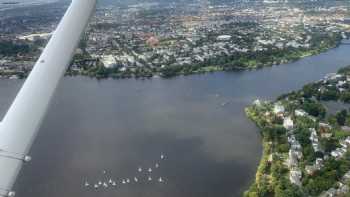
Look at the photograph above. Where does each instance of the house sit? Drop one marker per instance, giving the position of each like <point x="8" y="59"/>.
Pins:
<point x="300" y="112"/>
<point x="325" y="125"/>
<point x="278" y="109"/>
<point x="341" y="83"/>
<point x="291" y="139"/>
<point x="295" y="176"/>
<point x="338" y="153"/>
<point x="340" y="191"/>
<point x="313" y="135"/>
<point x="292" y="159"/>
<point x="288" y="123"/>
<point x="326" y="135"/>
<point x="310" y="169"/>
<point x="346" y="177"/>
<point x="108" y="61"/>
<point x="295" y="145"/>
<point x="333" y="76"/>
<point x="343" y="188"/>
<point x="325" y="130"/>
<point x="335" y="154"/>
<point x="270" y="159"/>
<point x="312" y="118"/>
<point x="319" y="163"/>
<point x="347" y="140"/>
<point x="343" y="143"/>
<point x="329" y="193"/>
<point x="224" y="38"/>
<point x="345" y="128"/>
<point x="314" y="140"/>
<point x="257" y="103"/>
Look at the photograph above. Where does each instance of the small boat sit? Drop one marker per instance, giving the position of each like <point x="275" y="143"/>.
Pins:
<point x="123" y="181"/>
<point x="110" y="181"/>
<point x="86" y="184"/>
<point x="100" y="183"/>
<point x="149" y="178"/>
<point x="136" y="179"/>
<point x="105" y="185"/>
<point x="114" y="184"/>
<point x="160" y="180"/>
<point x="104" y="172"/>
<point x="96" y="186"/>
<point x="157" y="165"/>
<point x="140" y="169"/>
<point x="162" y="156"/>
<point x="149" y="169"/>
<point x="128" y="180"/>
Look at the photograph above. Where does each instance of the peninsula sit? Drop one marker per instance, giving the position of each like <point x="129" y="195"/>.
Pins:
<point x="306" y="140"/>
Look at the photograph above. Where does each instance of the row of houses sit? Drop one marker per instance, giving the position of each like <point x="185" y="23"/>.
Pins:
<point x="341" y="188"/>
<point x="341" y="151"/>
<point x="295" y="152"/>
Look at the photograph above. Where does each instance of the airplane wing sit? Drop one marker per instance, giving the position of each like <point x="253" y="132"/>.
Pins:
<point x="21" y="123"/>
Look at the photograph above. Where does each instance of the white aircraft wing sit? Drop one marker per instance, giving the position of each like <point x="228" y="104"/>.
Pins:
<point x="21" y="123"/>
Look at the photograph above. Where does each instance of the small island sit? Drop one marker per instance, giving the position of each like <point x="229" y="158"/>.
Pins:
<point x="306" y="143"/>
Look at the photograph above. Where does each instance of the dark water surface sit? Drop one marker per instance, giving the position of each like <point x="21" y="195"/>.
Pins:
<point x="211" y="149"/>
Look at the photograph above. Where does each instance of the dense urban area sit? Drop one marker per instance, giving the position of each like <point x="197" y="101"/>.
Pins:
<point x="168" y="39"/>
<point x="306" y="140"/>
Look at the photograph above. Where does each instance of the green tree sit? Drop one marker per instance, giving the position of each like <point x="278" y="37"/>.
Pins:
<point x="341" y="117"/>
<point x="314" y="108"/>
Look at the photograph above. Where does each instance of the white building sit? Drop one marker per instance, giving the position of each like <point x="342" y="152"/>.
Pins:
<point x="314" y="140"/>
<point x="288" y="123"/>
<point x="34" y="37"/>
<point x="300" y="112"/>
<point x="295" y="177"/>
<point x="278" y="108"/>
<point x="108" y="61"/>
<point x="224" y="38"/>
<point x="257" y="103"/>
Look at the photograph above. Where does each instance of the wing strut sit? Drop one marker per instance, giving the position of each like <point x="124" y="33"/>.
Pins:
<point x="20" y="125"/>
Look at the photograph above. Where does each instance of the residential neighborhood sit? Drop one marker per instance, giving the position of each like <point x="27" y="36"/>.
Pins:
<point x="308" y="142"/>
<point x="155" y="39"/>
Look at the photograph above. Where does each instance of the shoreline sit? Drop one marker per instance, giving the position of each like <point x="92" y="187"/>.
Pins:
<point x="12" y="6"/>
<point x="101" y="72"/>
<point x="266" y="149"/>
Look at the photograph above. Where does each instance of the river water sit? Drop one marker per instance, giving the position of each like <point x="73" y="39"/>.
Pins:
<point x="197" y="122"/>
<point x="11" y="4"/>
